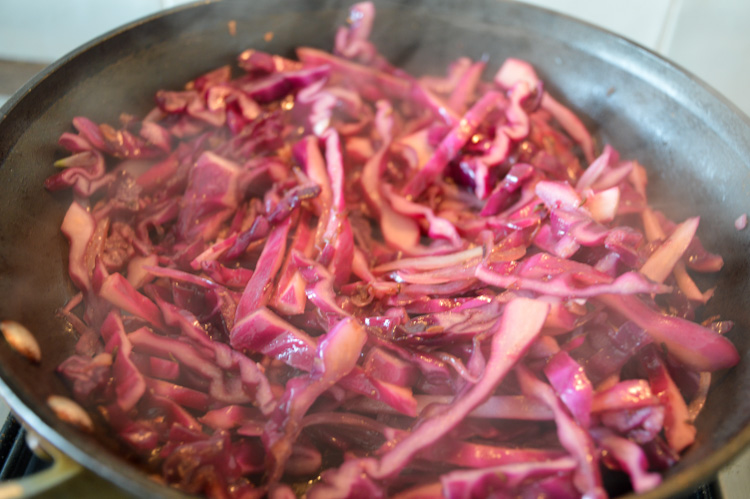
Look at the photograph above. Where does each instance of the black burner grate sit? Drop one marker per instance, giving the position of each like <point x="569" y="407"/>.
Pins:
<point x="16" y="459"/>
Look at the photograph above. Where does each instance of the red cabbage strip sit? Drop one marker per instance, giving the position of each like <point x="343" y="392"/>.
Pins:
<point x="464" y="91"/>
<point x="84" y="172"/>
<point x="255" y="61"/>
<point x="496" y="406"/>
<point x="319" y="285"/>
<point x="587" y="476"/>
<point x="250" y="386"/>
<point x="628" y="394"/>
<point x="78" y="227"/>
<point x="489" y="482"/>
<point x="465" y="454"/>
<point x="277" y="85"/>
<point x="565" y="286"/>
<point x="422" y="94"/>
<point x="338" y="250"/>
<point x="290" y="298"/>
<point x="572" y="386"/>
<point x="162" y="368"/>
<point x="74" y="143"/>
<point x="264" y="332"/>
<point x="515" y="70"/>
<point x="335" y="170"/>
<point x="228" y="417"/>
<point x="399" y="231"/>
<point x="308" y="153"/>
<point x="694" y="345"/>
<point x="398" y="397"/>
<point x="677" y="427"/>
<point x="640" y="425"/>
<point x="120" y="293"/>
<point x="655" y="233"/>
<point x="336" y="356"/>
<point x="451" y="144"/>
<point x="663" y="259"/>
<point x="213" y="195"/>
<point x="630" y="457"/>
<point x="350" y="480"/>
<point x="431" y="262"/>
<point x="181" y="395"/>
<point x="429" y="491"/>
<point x="129" y="382"/>
<point x="258" y="289"/>
<point x="471" y="455"/>
<point x="514" y="332"/>
<point x="372" y="82"/>
<point x="169" y="348"/>
<point x="595" y="169"/>
<point x="387" y="367"/>
<point x="87" y="375"/>
<point x="353" y="42"/>
<point x="439" y="228"/>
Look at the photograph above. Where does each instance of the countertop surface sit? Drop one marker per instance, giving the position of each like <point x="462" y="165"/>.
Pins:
<point x="708" y="39"/>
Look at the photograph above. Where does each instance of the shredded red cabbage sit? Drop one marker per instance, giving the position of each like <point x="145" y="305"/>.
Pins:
<point x="329" y="275"/>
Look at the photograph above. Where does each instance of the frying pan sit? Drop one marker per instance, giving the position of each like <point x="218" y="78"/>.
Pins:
<point x="695" y="145"/>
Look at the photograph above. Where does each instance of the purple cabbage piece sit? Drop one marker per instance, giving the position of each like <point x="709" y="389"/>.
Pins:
<point x="278" y="85"/>
<point x="631" y="459"/>
<point x="695" y="346"/>
<point x="130" y="384"/>
<point x="678" y="429"/>
<point x="84" y="172"/>
<point x="628" y="394"/>
<point x="572" y="386"/>
<point x="348" y="481"/>
<point x="565" y="285"/>
<point x="264" y="332"/>
<point x="231" y="416"/>
<point x="373" y="82"/>
<point x="211" y="197"/>
<point x="88" y="376"/>
<point x="509" y="407"/>
<point x="257" y="291"/>
<point x="587" y="477"/>
<point x="78" y="227"/>
<point x="503" y="479"/>
<point x="336" y="356"/>
<point x="290" y="297"/>
<point x="119" y="292"/>
<point x="180" y="395"/>
<point x="398" y="397"/>
<point x="451" y="144"/>
<point x="519" y="325"/>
